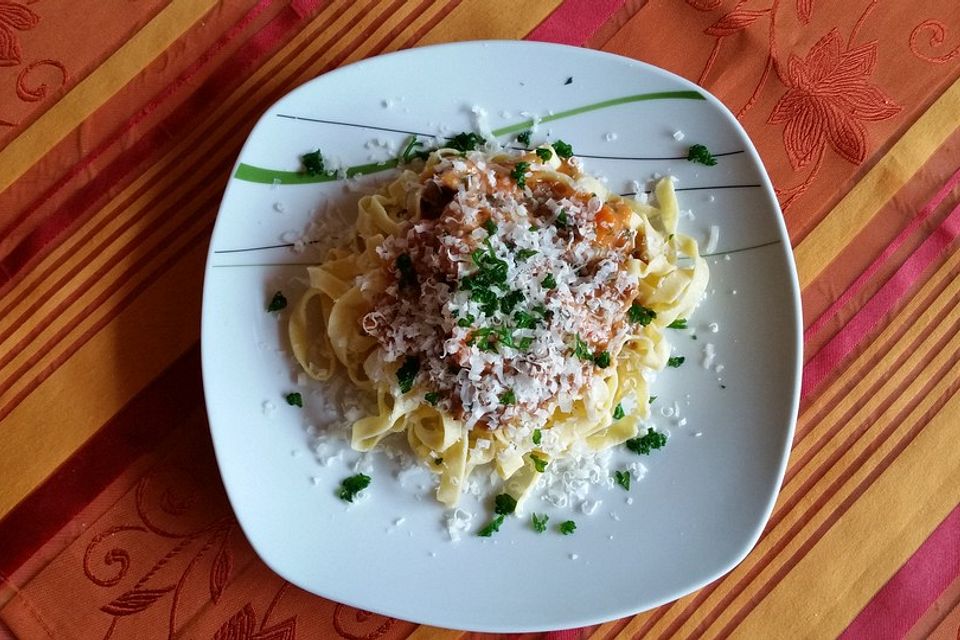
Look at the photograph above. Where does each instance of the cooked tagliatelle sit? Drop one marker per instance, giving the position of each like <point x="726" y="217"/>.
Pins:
<point x="500" y="309"/>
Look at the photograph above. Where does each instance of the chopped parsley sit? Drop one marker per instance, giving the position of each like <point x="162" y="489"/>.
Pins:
<point x="487" y="339"/>
<point x="350" y="487"/>
<point x="524" y="138"/>
<point x="278" y="302"/>
<point x="312" y="163"/>
<point x="519" y="173"/>
<point x="679" y="323"/>
<point x="525" y="320"/>
<point x="701" y="155"/>
<point x="618" y="412"/>
<point x="538" y="463"/>
<point x="432" y="397"/>
<point x="409" y="151"/>
<point x="464" y="142"/>
<point x="491" y="527"/>
<point x="466" y="320"/>
<point x="567" y="527"/>
<point x="407" y="373"/>
<point x="490" y="226"/>
<point x="523" y="254"/>
<point x="508" y="397"/>
<point x="561" y="221"/>
<point x="510" y="301"/>
<point x="504" y="504"/>
<point x="294" y="399"/>
<point x="639" y="314"/>
<point x="549" y="282"/>
<point x="652" y="398"/>
<point x="563" y="149"/>
<point x="581" y="349"/>
<point x="537" y="436"/>
<point x="438" y="461"/>
<point x="675" y="361"/>
<point x="539" y="522"/>
<point x="643" y="445"/>
<point x="544" y="154"/>
<point x="408" y="275"/>
<point x="622" y="478"/>
<point x="602" y="359"/>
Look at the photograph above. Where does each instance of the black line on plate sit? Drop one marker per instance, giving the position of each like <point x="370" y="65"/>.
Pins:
<point x="266" y="264"/>
<point x="719" y="186"/>
<point x="358" y="126"/>
<point x="756" y="246"/>
<point x="715" y="155"/>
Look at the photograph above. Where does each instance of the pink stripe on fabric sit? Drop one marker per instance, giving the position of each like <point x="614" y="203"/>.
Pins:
<point x="892" y="248"/>
<point x="569" y="634"/>
<point x="842" y="344"/>
<point x="575" y="21"/>
<point x="897" y="607"/>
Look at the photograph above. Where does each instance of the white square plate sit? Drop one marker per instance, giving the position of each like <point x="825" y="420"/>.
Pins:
<point x="707" y="494"/>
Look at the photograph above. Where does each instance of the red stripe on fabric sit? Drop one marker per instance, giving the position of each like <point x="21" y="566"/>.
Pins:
<point x="892" y="248"/>
<point x="575" y="21"/>
<point x="133" y="432"/>
<point x="884" y="301"/>
<point x="259" y="44"/>
<point x="897" y="607"/>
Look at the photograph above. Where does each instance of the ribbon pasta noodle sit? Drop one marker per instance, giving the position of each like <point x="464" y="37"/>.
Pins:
<point x="500" y="310"/>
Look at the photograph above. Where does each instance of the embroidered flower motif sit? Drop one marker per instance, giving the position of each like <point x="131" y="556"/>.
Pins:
<point x="14" y="17"/>
<point x="829" y="100"/>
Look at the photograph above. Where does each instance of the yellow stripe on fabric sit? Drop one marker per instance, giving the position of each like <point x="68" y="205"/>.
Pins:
<point x="490" y="20"/>
<point x="94" y="90"/>
<point x="874" y="538"/>
<point x="852" y="214"/>
<point x="99" y="379"/>
<point x="925" y="321"/>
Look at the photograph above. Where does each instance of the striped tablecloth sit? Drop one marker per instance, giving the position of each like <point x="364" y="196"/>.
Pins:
<point x="119" y="122"/>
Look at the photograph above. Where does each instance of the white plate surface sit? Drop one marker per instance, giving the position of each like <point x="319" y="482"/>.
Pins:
<point x="708" y="493"/>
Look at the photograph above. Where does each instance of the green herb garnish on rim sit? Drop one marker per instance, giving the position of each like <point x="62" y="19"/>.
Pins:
<point x="465" y="141"/>
<point x="524" y="138"/>
<point x="622" y="478"/>
<point x="700" y="154"/>
<point x="278" y="302"/>
<point x="350" y="487"/>
<point x="568" y="527"/>
<point x="312" y="163"/>
<point x="539" y="522"/>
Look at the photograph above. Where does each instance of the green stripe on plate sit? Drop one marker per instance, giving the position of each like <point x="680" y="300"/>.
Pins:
<point x="251" y="173"/>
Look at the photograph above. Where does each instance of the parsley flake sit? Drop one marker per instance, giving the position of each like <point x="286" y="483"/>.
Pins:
<point x="639" y="314"/>
<point x="312" y="163"/>
<point x="701" y="155"/>
<point x="538" y="463"/>
<point x="675" y="361"/>
<point x="679" y="323"/>
<point x="294" y="399"/>
<point x="508" y="397"/>
<point x="563" y="149"/>
<point x="602" y="359"/>
<point x="466" y="320"/>
<point x="643" y="445"/>
<point x="350" y="487"/>
<point x="504" y="504"/>
<point x="568" y="527"/>
<point x="652" y="398"/>
<point x="561" y="221"/>
<point x="544" y="154"/>
<point x="407" y="373"/>
<point x="524" y="138"/>
<point x="510" y="301"/>
<point x="464" y="142"/>
<point x="490" y="226"/>
<point x="539" y="522"/>
<point x="618" y="412"/>
<point x="519" y="173"/>
<point x="523" y="254"/>
<point x="410" y="150"/>
<point x="491" y="528"/>
<point x="623" y="479"/>
<point x="581" y="349"/>
<point x="432" y="397"/>
<point x="278" y="302"/>
<point x="525" y="320"/>
<point x="549" y="282"/>
<point x="537" y="436"/>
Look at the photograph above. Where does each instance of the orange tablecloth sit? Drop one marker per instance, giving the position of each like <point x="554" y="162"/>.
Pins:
<point x="119" y="122"/>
